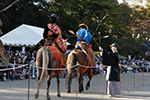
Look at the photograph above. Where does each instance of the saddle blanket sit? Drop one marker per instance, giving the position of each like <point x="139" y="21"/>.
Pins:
<point x="57" y="56"/>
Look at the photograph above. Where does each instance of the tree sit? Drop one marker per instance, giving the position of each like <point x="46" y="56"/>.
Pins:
<point x="23" y="12"/>
<point x="123" y="21"/>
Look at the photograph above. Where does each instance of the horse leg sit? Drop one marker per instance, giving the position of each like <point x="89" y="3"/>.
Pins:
<point x="39" y="71"/>
<point x="40" y="80"/>
<point x="69" y="80"/>
<point x="70" y="72"/>
<point x="80" y="75"/>
<point x="39" y="84"/>
<point x="89" y="79"/>
<point x="58" y="82"/>
<point x="48" y="85"/>
<point x="38" y="74"/>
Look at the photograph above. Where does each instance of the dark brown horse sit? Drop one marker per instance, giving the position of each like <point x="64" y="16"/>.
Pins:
<point x="80" y="57"/>
<point x="45" y="59"/>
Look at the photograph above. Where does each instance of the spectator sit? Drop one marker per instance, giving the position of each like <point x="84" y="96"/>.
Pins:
<point x="32" y="64"/>
<point x="25" y="73"/>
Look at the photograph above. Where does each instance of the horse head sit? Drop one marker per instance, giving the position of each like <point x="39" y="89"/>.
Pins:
<point x="64" y="59"/>
<point x="3" y="53"/>
<point x="65" y="42"/>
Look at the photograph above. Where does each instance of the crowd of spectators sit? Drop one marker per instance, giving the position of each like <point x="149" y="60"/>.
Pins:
<point x="18" y="58"/>
<point x="127" y="66"/>
<point x="135" y="65"/>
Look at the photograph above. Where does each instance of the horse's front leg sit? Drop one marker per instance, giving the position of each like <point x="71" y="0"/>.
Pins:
<point x="50" y="75"/>
<point x="89" y="79"/>
<point x="58" y="82"/>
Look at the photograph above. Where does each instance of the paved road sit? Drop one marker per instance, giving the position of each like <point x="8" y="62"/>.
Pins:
<point x="18" y="89"/>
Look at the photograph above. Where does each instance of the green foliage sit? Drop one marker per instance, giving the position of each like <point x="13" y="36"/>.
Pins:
<point x="23" y="12"/>
<point x="123" y="20"/>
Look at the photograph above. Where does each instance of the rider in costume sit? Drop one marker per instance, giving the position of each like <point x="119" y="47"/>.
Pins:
<point x="53" y="32"/>
<point x="83" y="40"/>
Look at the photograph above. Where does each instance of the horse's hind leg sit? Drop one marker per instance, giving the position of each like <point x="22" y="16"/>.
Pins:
<point x="39" y="84"/>
<point x="89" y="79"/>
<point x="70" y="72"/>
<point x="80" y="75"/>
<point x="39" y="71"/>
<point x="69" y="80"/>
<point x="58" y="82"/>
<point x="48" y="85"/>
<point x="38" y="78"/>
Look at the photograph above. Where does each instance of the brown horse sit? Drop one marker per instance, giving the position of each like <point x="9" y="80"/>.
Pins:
<point x="45" y="59"/>
<point x="3" y="53"/>
<point x="80" y="57"/>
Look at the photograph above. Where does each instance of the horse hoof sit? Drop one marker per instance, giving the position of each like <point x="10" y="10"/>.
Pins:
<point x="36" y="96"/>
<point x="48" y="98"/>
<point x="69" y="91"/>
<point x="87" y="87"/>
<point x="81" y="90"/>
<point x="58" y="95"/>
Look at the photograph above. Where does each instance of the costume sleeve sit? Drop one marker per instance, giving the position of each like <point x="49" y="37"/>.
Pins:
<point x="77" y="33"/>
<point x="110" y="58"/>
<point x="89" y="36"/>
<point x="105" y="58"/>
<point x="57" y="30"/>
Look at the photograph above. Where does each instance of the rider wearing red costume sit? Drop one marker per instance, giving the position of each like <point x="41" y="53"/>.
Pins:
<point x="53" y="32"/>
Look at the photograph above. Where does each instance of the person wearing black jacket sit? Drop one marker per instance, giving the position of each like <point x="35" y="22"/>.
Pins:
<point x="111" y="59"/>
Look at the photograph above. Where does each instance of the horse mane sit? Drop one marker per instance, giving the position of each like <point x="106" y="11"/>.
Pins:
<point x="57" y="47"/>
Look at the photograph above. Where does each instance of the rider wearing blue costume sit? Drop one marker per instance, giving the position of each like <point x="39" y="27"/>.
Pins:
<point x="83" y="41"/>
<point x="84" y="35"/>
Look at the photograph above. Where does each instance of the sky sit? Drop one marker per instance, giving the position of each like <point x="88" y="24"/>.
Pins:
<point x="144" y="1"/>
<point x="120" y="1"/>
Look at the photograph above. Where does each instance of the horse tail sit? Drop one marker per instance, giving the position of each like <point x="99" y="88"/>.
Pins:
<point x="45" y="65"/>
<point x="71" y="61"/>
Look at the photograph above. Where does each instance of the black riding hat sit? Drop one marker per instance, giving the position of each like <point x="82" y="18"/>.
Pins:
<point x="114" y="45"/>
<point x="53" y="16"/>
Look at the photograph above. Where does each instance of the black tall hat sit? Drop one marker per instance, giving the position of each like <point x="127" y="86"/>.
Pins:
<point x="53" y="16"/>
<point x="114" y="45"/>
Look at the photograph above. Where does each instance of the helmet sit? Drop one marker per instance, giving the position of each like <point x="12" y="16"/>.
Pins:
<point x="114" y="45"/>
<point x="53" y="16"/>
<point x="84" y="25"/>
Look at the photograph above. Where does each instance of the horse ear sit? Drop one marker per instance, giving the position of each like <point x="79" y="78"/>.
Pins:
<point x="66" y="40"/>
